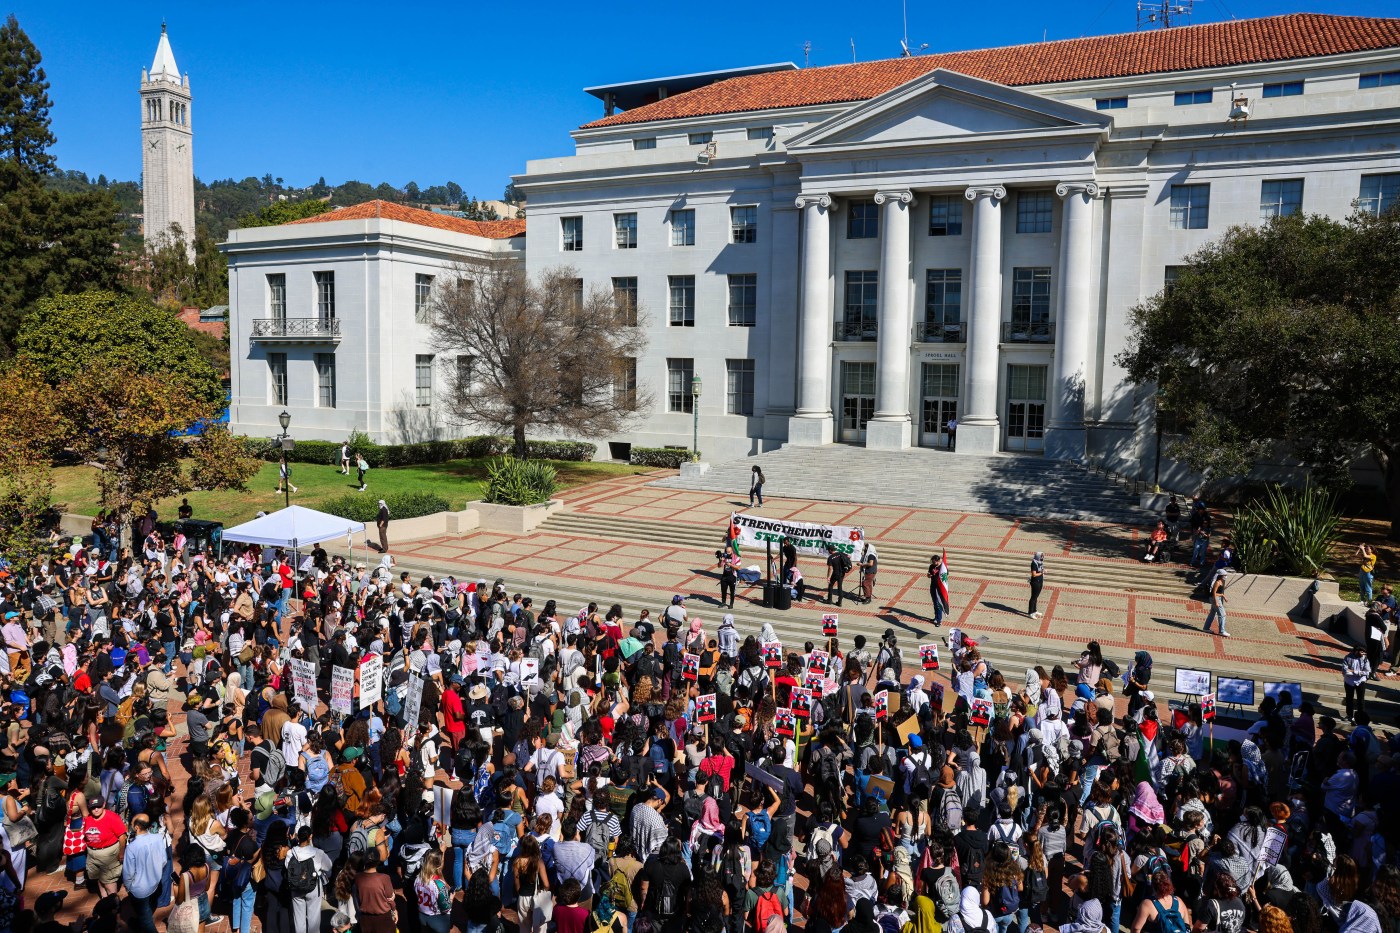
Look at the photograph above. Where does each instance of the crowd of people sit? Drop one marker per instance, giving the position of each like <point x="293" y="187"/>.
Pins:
<point x="511" y="765"/>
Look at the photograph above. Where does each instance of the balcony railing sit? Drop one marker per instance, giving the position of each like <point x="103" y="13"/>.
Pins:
<point x="1028" y="332"/>
<point x="865" y="331"/>
<point x="297" y="328"/>
<point x="939" y="333"/>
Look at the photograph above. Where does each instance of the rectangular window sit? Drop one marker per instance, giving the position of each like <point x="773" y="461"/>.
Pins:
<point x="739" y="395"/>
<point x="625" y="231"/>
<point x="423" y="380"/>
<point x="277" y="373"/>
<point x="1035" y="211"/>
<point x="1187" y="98"/>
<point x="277" y="296"/>
<point x="1030" y="296"/>
<point x="1280" y="198"/>
<point x="325" y="296"/>
<point x="945" y="215"/>
<point x="683" y="228"/>
<point x="645" y="142"/>
<point x="863" y="221"/>
<point x="761" y="132"/>
<point x="682" y="300"/>
<point x="743" y="224"/>
<point x="1170" y="277"/>
<point x="860" y="317"/>
<point x="1190" y="207"/>
<point x="940" y="380"/>
<point x="1284" y="89"/>
<point x="943" y="306"/>
<point x="1380" y="79"/>
<point x="576" y="295"/>
<point x="1379" y="193"/>
<point x="743" y="300"/>
<point x="679" y="374"/>
<point x="625" y="298"/>
<point x="325" y="380"/>
<point x="571" y="231"/>
<point x="465" y="371"/>
<point x="701" y="139"/>
<point x="625" y="385"/>
<point x="1111" y="103"/>
<point x="422" y="298"/>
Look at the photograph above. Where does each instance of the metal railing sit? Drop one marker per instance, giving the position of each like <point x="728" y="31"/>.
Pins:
<point x="939" y="333"/>
<point x="296" y="328"/>
<point x="866" y="331"/>
<point x="1028" y="332"/>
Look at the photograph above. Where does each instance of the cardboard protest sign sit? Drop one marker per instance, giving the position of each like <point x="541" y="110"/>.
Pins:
<point x="907" y="728"/>
<point x="882" y="704"/>
<point x="980" y="712"/>
<point x="773" y="653"/>
<point x="935" y="696"/>
<point x="784" y="722"/>
<point x="690" y="666"/>
<point x="1208" y="707"/>
<point x="304" y="682"/>
<point x="877" y="785"/>
<point x="831" y="624"/>
<point x="801" y="702"/>
<point x="928" y="655"/>
<point x="371" y="680"/>
<point x="705" y="708"/>
<point x="343" y="690"/>
<point x="819" y="661"/>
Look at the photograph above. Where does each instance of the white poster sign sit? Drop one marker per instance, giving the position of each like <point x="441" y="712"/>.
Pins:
<point x="371" y="680"/>
<point x="343" y="690"/>
<point x="304" y="682"/>
<point x="756" y="531"/>
<point x="413" y="703"/>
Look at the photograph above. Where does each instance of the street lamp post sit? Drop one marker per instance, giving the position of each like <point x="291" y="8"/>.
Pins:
<point x="695" y="416"/>
<point x="1157" y="453"/>
<point x="284" y="443"/>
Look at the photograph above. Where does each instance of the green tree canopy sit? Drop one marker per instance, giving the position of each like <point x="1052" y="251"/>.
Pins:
<point x="69" y="334"/>
<point x="25" y="136"/>
<point x="281" y="212"/>
<point x="1282" y="339"/>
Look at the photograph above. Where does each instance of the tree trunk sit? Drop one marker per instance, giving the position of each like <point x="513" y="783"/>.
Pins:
<point x="521" y="451"/>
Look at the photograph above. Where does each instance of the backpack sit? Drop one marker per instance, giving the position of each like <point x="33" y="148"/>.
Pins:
<point x="1007" y="902"/>
<point x="619" y="891"/>
<point x="1169" y="919"/>
<point x="921" y="776"/>
<point x="276" y="767"/>
<point x="1110" y="669"/>
<point x="302" y="877"/>
<point x="349" y="784"/>
<point x="1110" y="741"/>
<point x="707" y="920"/>
<point x="825" y="834"/>
<point x="950" y="813"/>
<point x="237" y="872"/>
<point x="829" y="769"/>
<point x="731" y="872"/>
<point x="768" y="906"/>
<point x="126" y="712"/>
<point x="359" y="842"/>
<point x="843" y="563"/>
<point x="946" y="896"/>
<point x="974" y="866"/>
<point x="1156" y="863"/>
<point x="597" y="834"/>
<point x="760" y="827"/>
<point x="317" y="771"/>
<point x="1037" y="886"/>
<point x="668" y="899"/>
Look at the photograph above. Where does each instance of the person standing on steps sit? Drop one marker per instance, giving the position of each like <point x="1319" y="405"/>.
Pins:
<point x="1217" y="605"/>
<point x="869" y="567"/>
<point x="952" y="433"/>
<point x="789" y="552"/>
<point x="837" y="565"/>
<point x="1037" y="582"/>
<point x="382" y="521"/>
<point x="756" y="481"/>
<point x="728" y="580"/>
<point x="938" y="588"/>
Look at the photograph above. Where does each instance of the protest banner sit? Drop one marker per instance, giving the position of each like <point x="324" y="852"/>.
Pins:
<point x="882" y="704"/>
<point x="819" y="661"/>
<point x="304" y="682"/>
<point x="809" y="538"/>
<point x="690" y="666"/>
<point x="801" y="702"/>
<point x="773" y="653"/>
<point x="529" y="670"/>
<point x="784" y="722"/>
<point x="928" y="655"/>
<point x="981" y="712"/>
<point x="343" y="690"/>
<point x="831" y="624"/>
<point x="371" y="680"/>
<point x="813" y="682"/>
<point x="705" y="708"/>
<point x="413" y="703"/>
<point x="1208" y="707"/>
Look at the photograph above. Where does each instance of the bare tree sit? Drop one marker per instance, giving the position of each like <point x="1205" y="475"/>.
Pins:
<point x="540" y="354"/>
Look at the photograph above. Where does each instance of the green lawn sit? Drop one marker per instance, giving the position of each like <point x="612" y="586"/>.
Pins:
<point x="458" y="481"/>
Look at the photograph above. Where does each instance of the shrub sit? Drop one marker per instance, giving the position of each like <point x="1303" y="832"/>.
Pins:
<point x="661" y="457"/>
<point x="395" y="455"/>
<point x="520" y="482"/>
<point x="401" y="505"/>
<point x="576" y="451"/>
<point x="1292" y="530"/>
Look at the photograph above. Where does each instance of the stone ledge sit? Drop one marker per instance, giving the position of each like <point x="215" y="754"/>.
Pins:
<point x="512" y="519"/>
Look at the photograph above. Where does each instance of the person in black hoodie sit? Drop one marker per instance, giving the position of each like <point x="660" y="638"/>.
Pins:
<point x="972" y="846"/>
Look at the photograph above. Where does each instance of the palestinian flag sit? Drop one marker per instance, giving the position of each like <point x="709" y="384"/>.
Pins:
<point x="733" y="541"/>
<point x="941" y="580"/>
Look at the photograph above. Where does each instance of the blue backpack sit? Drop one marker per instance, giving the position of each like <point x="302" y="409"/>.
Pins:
<point x="760" y="827"/>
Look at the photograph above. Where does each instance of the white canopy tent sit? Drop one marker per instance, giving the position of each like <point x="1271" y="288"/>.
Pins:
<point x="293" y="527"/>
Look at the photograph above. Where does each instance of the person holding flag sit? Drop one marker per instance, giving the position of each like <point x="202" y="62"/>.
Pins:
<point x="938" y="585"/>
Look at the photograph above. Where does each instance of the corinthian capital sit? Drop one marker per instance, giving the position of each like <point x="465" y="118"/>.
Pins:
<point x="1067" y="188"/>
<point x="814" y="200"/>
<point x="900" y="195"/>
<point x="995" y="192"/>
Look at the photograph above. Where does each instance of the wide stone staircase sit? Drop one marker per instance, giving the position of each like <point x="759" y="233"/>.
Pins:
<point x="928" y="479"/>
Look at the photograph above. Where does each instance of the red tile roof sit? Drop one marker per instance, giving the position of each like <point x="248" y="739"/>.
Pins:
<point x="1183" y="48"/>
<point x="190" y="316"/>
<point x="388" y="210"/>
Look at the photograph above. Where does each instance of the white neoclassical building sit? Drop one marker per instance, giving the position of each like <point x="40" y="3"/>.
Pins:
<point x="862" y="253"/>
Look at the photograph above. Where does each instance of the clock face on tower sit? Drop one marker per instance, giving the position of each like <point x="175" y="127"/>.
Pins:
<point x="155" y="144"/>
<point x="179" y="147"/>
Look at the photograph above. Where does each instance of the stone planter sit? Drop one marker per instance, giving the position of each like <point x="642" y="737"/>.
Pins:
<point x="694" y="470"/>
<point x="513" y="519"/>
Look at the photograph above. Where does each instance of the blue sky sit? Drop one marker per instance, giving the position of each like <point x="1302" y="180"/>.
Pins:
<point x="468" y="92"/>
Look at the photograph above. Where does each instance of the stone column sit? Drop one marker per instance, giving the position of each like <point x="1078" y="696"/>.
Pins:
<point x="979" y="428"/>
<point x="1064" y="434"/>
<point x="812" y="425"/>
<point x="889" y="428"/>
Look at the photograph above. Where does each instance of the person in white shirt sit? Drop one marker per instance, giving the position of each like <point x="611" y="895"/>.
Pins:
<point x="293" y="740"/>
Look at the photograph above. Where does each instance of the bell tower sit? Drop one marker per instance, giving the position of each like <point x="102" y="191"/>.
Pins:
<point x="167" y="157"/>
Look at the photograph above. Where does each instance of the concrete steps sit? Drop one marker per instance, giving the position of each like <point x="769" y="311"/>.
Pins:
<point x="1128" y="576"/>
<point x="928" y="479"/>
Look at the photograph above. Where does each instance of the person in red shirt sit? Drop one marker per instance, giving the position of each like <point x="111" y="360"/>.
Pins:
<point x="454" y="716"/>
<point x="105" y="833"/>
<point x="718" y="762"/>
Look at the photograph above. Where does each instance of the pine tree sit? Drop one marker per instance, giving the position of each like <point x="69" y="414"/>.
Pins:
<point x="25" y="136"/>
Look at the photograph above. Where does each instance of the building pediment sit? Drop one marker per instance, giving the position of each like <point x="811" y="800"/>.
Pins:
<point x="947" y="106"/>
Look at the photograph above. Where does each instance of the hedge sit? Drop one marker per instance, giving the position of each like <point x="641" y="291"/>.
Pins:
<point x="661" y="457"/>
<point x="395" y="455"/>
<point x="401" y="505"/>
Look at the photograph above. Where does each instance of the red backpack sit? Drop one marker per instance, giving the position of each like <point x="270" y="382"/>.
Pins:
<point x="768" y="906"/>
